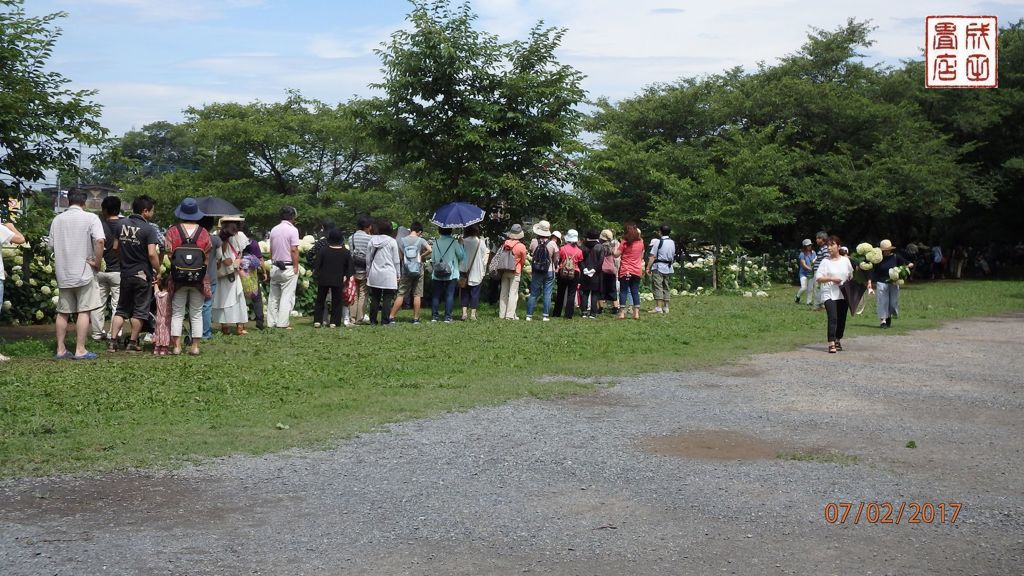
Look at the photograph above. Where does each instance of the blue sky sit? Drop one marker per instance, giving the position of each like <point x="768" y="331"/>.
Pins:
<point x="150" y="59"/>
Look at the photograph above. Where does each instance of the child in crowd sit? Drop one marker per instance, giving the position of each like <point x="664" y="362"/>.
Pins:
<point x="162" y="324"/>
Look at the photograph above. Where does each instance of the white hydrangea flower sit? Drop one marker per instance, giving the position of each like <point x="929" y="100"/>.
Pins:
<point x="865" y="265"/>
<point x="54" y="300"/>
<point x="7" y="305"/>
<point x="874" y="256"/>
<point x="264" y="246"/>
<point x="894" y="274"/>
<point x="39" y="315"/>
<point x="863" y="248"/>
<point x="45" y="290"/>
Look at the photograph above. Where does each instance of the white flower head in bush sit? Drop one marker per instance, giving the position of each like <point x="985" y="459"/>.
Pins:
<point x="761" y="294"/>
<point x="863" y="248"/>
<point x="874" y="256"/>
<point x="7" y="305"/>
<point x="54" y="300"/>
<point x="32" y="282"/>
<point x="19" y="283"/>
<point x="305" y="284"/>
<point x="894" y="273"/>
<point x="39" y="315"/>
<point x="46" y="290"/>
<point x="265" y="246"/>
<point x="306" y="243"/>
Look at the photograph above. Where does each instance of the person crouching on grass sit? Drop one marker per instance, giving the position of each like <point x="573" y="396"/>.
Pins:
<point x="831" y="274"/>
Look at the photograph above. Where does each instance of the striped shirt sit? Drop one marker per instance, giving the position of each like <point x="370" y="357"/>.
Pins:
<point x="72" y="235"/>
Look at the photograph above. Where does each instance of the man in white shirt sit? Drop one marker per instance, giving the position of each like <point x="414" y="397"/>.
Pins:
<point x="659" y="265"/>
<point x="8" y="233"/>
<point x="77" y="239"/>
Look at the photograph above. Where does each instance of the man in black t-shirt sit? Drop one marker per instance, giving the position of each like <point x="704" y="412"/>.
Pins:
<point x="139" y="252"/>
<point x="109" y="278"/>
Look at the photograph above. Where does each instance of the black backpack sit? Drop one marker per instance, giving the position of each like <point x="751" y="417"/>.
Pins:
<point x="541" y="258"/>
<point x="188" y="261"/>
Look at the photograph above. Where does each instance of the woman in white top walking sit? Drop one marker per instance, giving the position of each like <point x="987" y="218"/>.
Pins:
<point x="831" y="274"/>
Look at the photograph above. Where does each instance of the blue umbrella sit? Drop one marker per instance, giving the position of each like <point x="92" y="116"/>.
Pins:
<point x="457" y="215"/>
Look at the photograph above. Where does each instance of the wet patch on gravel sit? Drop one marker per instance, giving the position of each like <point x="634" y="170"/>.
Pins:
<point x="713" y="445"/>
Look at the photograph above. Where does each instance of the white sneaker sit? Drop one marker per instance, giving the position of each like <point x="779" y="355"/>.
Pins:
<point x="316" y="324"/>
<point x="528" y="318"/>
<point x="366" y="318"/>
<point x="546" y="319"/>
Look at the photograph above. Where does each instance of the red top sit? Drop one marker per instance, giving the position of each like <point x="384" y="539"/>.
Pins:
<point x="519" y="251"/>
<point x="632" y="258"/>
<point x="570" y="251"/>
<point x="202" y="238"/>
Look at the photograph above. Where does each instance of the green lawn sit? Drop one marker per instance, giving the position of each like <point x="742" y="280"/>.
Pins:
<point x="273" y="390"/>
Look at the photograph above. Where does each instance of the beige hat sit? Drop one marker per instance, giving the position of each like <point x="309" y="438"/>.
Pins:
<point x="557" y="234"/>
<point x="886" y="246"/>
<point x="224" y="219"/>
<point x="542" y="228"/>
<point x="607" y="235"/>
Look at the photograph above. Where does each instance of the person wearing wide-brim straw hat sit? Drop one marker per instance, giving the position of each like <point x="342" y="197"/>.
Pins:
<point x="508" y="298"/>
<point x="542" y="268"/>
<point x="188" y="294"/>
<point x="887" y="290"/>
<point x="229" y="301"/>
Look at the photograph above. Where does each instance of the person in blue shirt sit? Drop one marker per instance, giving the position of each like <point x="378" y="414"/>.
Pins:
<point x="806" y="263"/>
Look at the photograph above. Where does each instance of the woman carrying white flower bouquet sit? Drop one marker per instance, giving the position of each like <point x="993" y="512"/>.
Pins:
<point x="831" y="274"/>
<point x="885" y="281"/>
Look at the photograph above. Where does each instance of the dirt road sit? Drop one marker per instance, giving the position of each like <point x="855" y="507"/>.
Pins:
<point x="673" y="473"/>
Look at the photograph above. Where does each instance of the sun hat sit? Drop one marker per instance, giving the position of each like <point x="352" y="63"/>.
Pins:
<point x="516" y="232"/>
<point x="572" y="236"/>
<point x="844" y="250"/>
<point x="886" y="246"/>
<point x="230" y="219"/>
<point x="189" y="210"/>
<point x="557" y="234"/>
<point x="607" y="235"/>
<point x="806" y="242"/>
<point x="542" y="228"/>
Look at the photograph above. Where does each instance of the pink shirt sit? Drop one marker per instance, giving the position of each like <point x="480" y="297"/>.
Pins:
<point x="632" y="258"/>
<point x="570" y="251"/>
<point x="282" y="238"/>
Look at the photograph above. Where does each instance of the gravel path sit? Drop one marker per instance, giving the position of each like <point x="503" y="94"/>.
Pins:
<point x="671" y="473"/>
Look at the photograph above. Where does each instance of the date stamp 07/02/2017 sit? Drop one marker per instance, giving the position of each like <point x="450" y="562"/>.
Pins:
<point x="895" y="513"/>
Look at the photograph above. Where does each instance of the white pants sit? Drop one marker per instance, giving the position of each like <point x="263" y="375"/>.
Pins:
<point x="509" y="298"/>
<point x="888" y="300"/>
<point x="110" y="287"/>
<point x="806" y="285"/>
<point x="193" y="298"/>
<point x="282" y="296"/>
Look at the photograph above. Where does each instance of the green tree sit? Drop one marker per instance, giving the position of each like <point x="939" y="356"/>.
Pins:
<point x="468" y="117"/>
<point x="41" y="120"/>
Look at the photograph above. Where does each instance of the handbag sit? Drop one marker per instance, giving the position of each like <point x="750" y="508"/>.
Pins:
<point x="466" y="265"/>
<point x="348" y="295"/>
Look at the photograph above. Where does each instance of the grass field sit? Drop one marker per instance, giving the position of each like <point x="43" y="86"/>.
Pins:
<point x="270" y="391"/>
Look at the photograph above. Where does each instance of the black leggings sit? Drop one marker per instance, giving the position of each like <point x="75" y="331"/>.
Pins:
<point x="836" y="310"/>
<point x="376" y="294"/>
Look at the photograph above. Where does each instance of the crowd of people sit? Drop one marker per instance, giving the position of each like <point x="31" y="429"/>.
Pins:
<point x="113" y="262"/>
<point x="369" y="277"/>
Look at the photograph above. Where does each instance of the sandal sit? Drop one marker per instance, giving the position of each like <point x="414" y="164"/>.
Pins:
<point x="839" y="347"/>
<point x="831" y="348"/>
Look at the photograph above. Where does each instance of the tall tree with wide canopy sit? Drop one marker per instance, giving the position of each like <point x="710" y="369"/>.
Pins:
<point x="468" y="117"/>
<point x="42" y="121"/>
